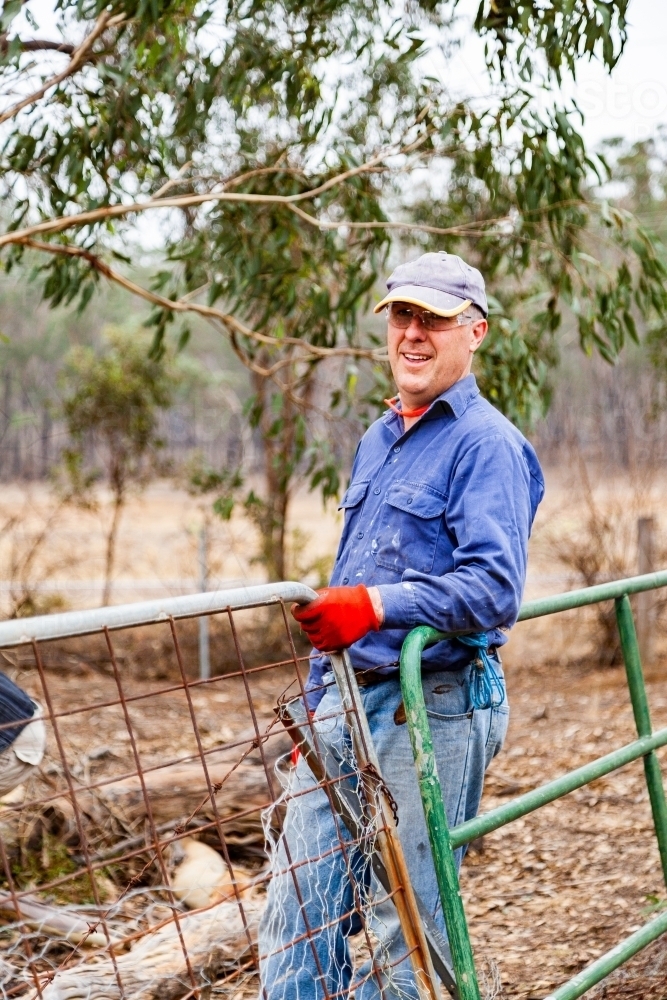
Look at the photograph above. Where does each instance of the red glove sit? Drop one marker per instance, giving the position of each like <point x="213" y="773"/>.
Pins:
<point x="338" y="617"/>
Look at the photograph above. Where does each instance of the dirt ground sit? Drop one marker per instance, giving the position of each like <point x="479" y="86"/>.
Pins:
<point x="548" y="894"/>
<point x="544" y="896"/>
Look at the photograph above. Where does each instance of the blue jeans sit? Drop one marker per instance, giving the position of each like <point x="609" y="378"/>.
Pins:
<point x="314" y="904"/>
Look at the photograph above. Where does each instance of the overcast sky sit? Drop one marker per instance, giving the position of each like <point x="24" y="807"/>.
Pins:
<point x="631" y="102"/>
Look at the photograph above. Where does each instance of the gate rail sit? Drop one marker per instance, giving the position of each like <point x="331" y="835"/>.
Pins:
<point x="445" y="841"/>
<point x="69" y="624"/>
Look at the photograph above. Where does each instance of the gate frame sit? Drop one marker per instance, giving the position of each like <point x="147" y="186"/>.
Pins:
<point x="445" y="841"/>
<point x="426" y="945"/>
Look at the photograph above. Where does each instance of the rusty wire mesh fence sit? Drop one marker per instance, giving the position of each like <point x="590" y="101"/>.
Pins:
<point x="135" y="858"/>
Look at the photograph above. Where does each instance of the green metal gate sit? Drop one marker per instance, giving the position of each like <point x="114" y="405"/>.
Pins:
<point x="445" y="841"/>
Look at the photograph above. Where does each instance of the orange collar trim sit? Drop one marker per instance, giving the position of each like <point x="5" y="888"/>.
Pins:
<point x="391" y="403"/>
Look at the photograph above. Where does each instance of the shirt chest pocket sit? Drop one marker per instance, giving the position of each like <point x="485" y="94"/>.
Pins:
<point x="410" y="522"/>
<point x="351" y="504"/>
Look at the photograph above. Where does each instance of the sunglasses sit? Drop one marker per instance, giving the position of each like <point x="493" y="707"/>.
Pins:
<point x="401" y="316"/>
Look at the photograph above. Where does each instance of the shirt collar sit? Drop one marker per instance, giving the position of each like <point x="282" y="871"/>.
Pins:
<point x="455" y="399"/>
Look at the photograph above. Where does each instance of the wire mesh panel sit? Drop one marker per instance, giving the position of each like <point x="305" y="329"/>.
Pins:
<point x="138" y="856"/>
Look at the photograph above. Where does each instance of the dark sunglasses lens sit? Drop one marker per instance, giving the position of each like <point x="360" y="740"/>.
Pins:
<point x="400" y="316"/>
<point x="437" y="324"/>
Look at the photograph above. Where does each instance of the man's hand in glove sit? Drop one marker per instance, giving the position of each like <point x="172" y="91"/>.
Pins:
<point x="340" y="616"/>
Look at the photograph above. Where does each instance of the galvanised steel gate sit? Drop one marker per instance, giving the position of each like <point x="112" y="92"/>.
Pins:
<point x="130" y="923"/>
<point x="445" y="841"/>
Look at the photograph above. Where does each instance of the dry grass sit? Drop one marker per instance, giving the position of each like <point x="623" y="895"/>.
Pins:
<point x="159" y="535"/>
<point x="157" y="546"/>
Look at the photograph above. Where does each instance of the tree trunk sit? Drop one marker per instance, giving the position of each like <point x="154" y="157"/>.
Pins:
<point x="282" y="454"/>
<point x="277" y="507"/>
<point x="119" y="503"/>
<point x="47" y="425"/>
<point x="6" y="424"/>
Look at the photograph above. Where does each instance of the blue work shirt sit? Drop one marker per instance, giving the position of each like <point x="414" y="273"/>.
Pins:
<point x="438" y="519"/>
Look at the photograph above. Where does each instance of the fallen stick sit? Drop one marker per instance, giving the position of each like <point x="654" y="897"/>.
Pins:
<point x="181" y="789"/>
<point x="155" y="969"/>
<point x="55" y="921"/>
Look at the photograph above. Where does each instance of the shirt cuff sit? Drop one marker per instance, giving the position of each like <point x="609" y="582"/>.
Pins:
<point x="400" y="605"/>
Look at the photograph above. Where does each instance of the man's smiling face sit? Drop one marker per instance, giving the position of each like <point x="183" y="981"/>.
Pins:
<point x="425" y="362"/>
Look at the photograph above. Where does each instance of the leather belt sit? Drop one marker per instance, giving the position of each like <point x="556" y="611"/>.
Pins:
<point x="368" y="678"/>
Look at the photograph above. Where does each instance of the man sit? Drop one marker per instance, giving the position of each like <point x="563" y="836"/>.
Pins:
<point x="22" y="735"/>
<point x="438" y="513"/>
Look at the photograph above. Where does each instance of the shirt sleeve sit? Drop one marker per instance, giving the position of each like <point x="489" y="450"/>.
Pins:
<point x="488" y="517"/>
<point x="15" y="707"/>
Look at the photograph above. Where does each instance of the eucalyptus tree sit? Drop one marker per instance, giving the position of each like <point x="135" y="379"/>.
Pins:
<point x="283" y="148"/>
<point x="111" y="402"/>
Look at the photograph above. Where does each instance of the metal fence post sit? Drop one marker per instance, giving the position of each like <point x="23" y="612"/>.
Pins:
<point x="434" y="812"/>
<point x="635" y="675"/>
<point x="645" y="602"/>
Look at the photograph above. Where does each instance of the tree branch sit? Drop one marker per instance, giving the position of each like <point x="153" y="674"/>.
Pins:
<point x="473" y="228"/>
<point x="37" y="45"/>
<point x="466" y="229"/>
<point x="271" y="373"/>
<point x="208" y="312"/>
<point x="183" y="201"/>
<point x="79" y="56"/>
<point x="225" y="182"/>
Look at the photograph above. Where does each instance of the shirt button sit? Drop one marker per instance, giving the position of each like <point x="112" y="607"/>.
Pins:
<point x="397" y="449"/>
<point x="360" y="534"/>
<point x="377" y="491"/>
<point x="346" y="579"/>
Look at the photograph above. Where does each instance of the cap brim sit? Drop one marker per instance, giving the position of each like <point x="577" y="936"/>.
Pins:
<point x="440" y="303"/>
